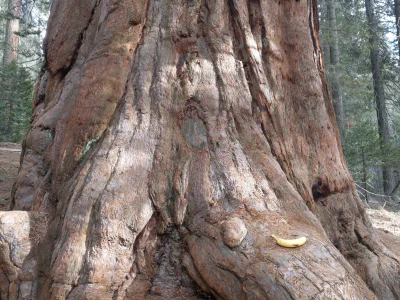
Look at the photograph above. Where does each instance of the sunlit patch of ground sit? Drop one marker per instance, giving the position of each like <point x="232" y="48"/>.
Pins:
<point x="385" y="219"/>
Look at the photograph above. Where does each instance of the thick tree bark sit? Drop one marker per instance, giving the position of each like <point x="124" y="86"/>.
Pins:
<point x="379" y="92"/>
<point x="11" y="41"/>
<point x="336" y="87"/>
<point x="170" y="140"/>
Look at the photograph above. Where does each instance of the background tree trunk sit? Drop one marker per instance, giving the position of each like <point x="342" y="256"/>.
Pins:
<point x="10" y="54"/>
<point x="336" y="87"/>
<point x="397" y="17"/>
<point x="11" y="41"/>
<point x="324" y="27"/>
<point x="380" y="102"/>
<point x="170" y="140"/>
<point x="365" y="175"/>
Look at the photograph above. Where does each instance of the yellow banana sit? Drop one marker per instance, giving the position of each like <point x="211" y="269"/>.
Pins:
<point x="290" y="243"/>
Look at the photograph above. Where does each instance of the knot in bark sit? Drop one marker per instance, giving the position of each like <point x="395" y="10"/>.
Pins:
<point x="233" y="232"/>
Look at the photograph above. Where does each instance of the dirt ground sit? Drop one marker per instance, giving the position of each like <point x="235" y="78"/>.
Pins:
<point x="9" y="163"/>
<point x="384" y="217"/>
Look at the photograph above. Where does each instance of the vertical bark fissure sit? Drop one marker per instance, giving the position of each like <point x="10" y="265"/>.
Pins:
<point x="323" y="20"/>
<point x="262" y="96"/>
<point x="115" y="143"/>
<point x="122" y="102"/>
<point x="106" y="89"/>
<point x="92" y="214"/>
<point x="159" y="118"/>
<point x="314" y="28"/>
<point x="313" y="24"/>
<point x="218" y="76"/>
<point x="63" y="211"/>
<point x="80" y="41"/>
<point x="142" y="108"/>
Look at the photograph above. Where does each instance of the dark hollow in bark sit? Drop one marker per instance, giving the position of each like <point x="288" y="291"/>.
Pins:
<point x="170" y="140"/>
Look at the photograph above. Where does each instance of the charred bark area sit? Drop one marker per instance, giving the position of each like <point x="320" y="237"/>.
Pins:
<point x="171" y="139"/>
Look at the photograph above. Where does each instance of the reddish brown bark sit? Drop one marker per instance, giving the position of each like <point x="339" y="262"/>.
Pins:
<point x="171" y="139"/>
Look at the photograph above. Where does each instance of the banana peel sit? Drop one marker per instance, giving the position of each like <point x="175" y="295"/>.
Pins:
<point x="293" y="243"/>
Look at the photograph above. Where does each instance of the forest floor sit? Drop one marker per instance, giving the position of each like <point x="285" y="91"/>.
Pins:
<point x="9" y="163"/>
<point x="383" y="216"/>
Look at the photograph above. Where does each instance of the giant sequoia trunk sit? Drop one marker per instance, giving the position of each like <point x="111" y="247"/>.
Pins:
<point x="170" y="140"/>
